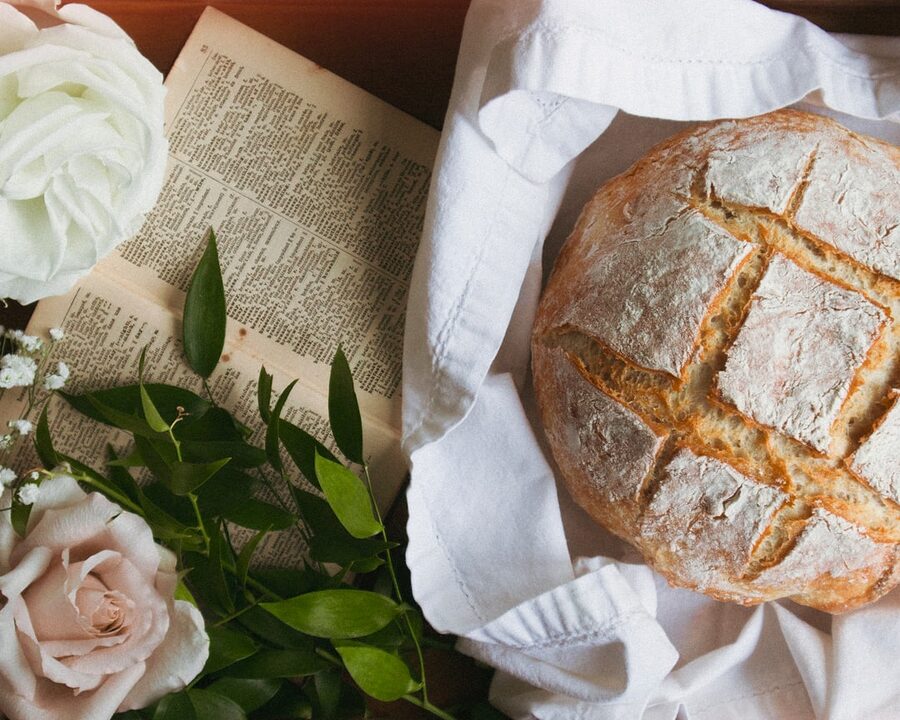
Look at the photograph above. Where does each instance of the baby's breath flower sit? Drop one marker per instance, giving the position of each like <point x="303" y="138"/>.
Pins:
<point x="56" y="334"/>
<point x="29" y="493"/>
<point x="17" y="371"/>
<point x="7" y="476"/>
<point x="29" y="343"/>
<point x="6" y="441"/>
<point x="23" y="427"/>
<point x="33" y="475"/>
<point x="55" y="381"/>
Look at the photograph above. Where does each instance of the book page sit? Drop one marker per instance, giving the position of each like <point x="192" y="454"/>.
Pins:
<point x="105" y="332"/>
<point x="316" y="191"/>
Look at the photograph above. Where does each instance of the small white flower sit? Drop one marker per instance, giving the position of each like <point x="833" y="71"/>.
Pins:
<point x="17" y="371"/>
<point x="56" y="334"/>
<point x="55" y="381"/>
<point x="6" y="441"/>
<point x="7" y="476"/>
<point x="29" y="493"/>
<point x="34" y="475"/>
<point x="23" y="427"/>
<point x="30" y="343"/>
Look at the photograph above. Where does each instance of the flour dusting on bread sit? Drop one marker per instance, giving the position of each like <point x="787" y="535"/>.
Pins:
<point x="716" y="358"/>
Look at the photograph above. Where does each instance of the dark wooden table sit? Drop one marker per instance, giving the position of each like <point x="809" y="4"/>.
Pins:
<point x="403" y="51"/>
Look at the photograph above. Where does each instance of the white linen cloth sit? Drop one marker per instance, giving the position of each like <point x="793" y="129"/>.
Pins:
<point x="534" y="126"/>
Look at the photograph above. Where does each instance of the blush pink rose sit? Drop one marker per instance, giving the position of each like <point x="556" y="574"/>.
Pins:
<point x="88" y="621"/>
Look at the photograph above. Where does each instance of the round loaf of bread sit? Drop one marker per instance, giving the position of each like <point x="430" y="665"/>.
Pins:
<point x="717" y="356"/>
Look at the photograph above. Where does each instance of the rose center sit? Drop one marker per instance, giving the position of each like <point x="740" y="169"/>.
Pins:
<point x="103" y="611"/>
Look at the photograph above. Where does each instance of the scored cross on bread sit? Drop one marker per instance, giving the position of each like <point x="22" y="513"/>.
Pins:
<point x="717" y="355"/>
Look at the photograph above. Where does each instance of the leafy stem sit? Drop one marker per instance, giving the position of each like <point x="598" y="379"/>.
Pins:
<point x="201" y="526"/>
<point x="425" y="705"/>
<point x="396" y="585"/>
<point x="110" y="492"/>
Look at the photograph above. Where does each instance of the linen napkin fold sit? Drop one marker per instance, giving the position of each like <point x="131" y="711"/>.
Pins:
<point x="491" y="541"/>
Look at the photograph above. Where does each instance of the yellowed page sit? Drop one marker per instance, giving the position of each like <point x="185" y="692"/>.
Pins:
<point x="105" y="331"/>
<point x="316" y="190"/>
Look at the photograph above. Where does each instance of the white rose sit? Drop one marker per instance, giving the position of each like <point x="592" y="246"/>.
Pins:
<point x="82" y="149"/>
<point x="88" y="621"/>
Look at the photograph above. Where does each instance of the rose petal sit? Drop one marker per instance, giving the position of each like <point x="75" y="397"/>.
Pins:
<point x="177" y="661"/>
<point x="167" y="573"/>
<point x="32" y="565"/>
<point x="16" y="674"/>
<point x="57" y="492"/>
<point x="149" y="626"/>
<point x="45" y="665"/>
<point x="83" y="524"/>
<point x="52" y="613"/>
<point x="53" y="702"/>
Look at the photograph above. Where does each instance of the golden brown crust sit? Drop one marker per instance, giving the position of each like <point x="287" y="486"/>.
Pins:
<point x="635" y="359"/>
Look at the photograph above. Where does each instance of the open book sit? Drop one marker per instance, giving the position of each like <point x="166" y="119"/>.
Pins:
<point x="316" y="191"/>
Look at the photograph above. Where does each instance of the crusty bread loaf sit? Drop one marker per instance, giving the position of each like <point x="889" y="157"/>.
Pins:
<point x="716" y="358"/>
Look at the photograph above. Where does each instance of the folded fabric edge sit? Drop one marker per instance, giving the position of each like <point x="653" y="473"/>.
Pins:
<point x="549" y="92"/>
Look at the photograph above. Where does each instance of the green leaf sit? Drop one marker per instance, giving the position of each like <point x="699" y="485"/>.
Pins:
<point x="288" y="582"/>
<point x="361" y="567"/>
<point x="328" y="691"/>
<point x="250" y="693"/>
<point x="19" y="515"/>
<point x="208" y="576"/>
<point x="44" y="443"/>
<point x="348" y="497"/>
<point x="279" y="664"/>
<point x="165" y="526"/>
<point x="226" y="647"/>
<point x="264" y="394"/>
<point x="255" y="515"/>
<point x="178" y="508"/>
<point x="336" y="614"/>
<point x="123" y="421"/>
<point x="379" y="673"/>
<point x="204" y="313"/>
<point x="156" y="462"/>
<point x="302" y="447"/>
<point x="212" y="706"/>
<point x="246" y="555"/>
<point x="120" y="478"/>
<point x="343" y="409"/>
<point x="187" y="477"/>
<point x="229" y="494"/>
<point x="183" y="593"/>
<point x="151" y="414"/>
<point x="270" y="629"/>
<point x="272" y="436"/>
<point x="175" y="707"/>
<point x="291" y="702"/>
<point x="215" y="424"/>
<point x="127" y="399"/>
<point x="330" y="542"/>
<point x="241" y="454"/>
